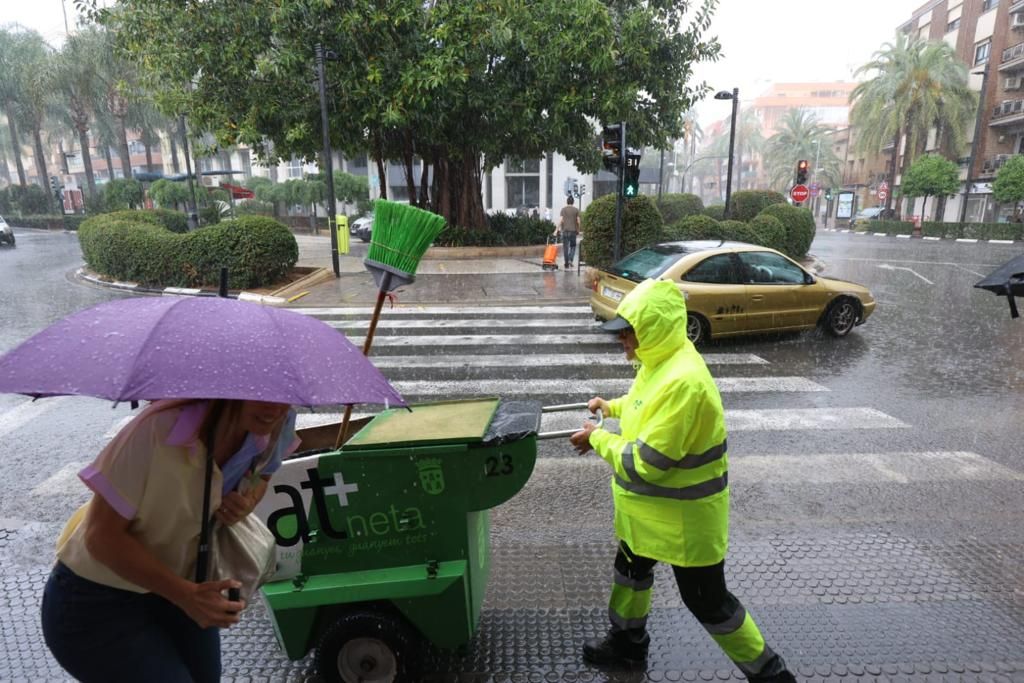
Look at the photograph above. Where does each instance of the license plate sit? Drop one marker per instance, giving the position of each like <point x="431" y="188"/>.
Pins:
<point x="613" y="294"/>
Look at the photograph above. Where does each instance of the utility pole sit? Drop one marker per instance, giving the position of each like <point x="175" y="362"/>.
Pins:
<point x="620" y="181"/>
<point x="194" y="215"/>
<point x="328" y="163"/>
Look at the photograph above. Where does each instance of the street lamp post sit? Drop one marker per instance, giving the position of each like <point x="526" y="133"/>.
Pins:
<point x="321" y="56"/>
<point x="735" y="97"/>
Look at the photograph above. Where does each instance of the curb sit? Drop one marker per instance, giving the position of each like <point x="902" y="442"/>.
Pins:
<point x="929" y="238"/>
<point x="136" y="288"/>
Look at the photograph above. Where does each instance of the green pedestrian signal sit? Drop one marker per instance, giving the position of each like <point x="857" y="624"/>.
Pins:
<point x="828" y="194"/>
<point x="631" y="184"/>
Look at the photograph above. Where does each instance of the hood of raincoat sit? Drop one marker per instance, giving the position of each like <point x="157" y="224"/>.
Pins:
<point x="657" y="312"/>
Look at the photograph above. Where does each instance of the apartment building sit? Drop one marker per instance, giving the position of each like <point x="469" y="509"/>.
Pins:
<point x="988" y="35"/>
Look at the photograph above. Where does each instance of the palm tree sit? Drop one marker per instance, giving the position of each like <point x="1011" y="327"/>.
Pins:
<point x="800" y="136"/>
<point x="13" y="48"/>
<point x="34" y="108"/>
<point x="917" y="86"/>
<point x="749" y="142"/>
<point x="79" y="83"/>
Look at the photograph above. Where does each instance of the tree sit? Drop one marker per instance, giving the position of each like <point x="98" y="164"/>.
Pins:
<point x="917" y="86"/>
<point x="1009" y="184"/>
<point x="800" y="136"/>
<point x="13" y="49"/>
<point x="35" y="71"/>
<point x="931" y="176"/>
<point x="123" y="193"/>
<point x="352" y="189"/>
<point x="169" y="193"/>
<point x="459" y="85"/>
<point x="77" y="79"/>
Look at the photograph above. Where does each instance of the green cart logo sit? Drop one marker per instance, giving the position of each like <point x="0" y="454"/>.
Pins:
<point x="431" y="476"/>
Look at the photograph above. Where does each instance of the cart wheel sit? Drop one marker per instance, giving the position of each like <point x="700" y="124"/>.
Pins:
<point x="368" y="647"/>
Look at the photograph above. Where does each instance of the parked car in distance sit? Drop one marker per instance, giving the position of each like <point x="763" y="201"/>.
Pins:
<point x="873" y="213"/>
<point x="361" y="227"/>
<point x="732" y="288"/>
<point x="6" y="233"/>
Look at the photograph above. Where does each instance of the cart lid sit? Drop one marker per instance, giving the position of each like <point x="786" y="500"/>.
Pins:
<point x="427" y="424"/>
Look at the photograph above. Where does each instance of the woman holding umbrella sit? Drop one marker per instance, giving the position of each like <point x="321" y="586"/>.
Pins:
<point x="127" y="599"/>
<point x="120" y="603"/>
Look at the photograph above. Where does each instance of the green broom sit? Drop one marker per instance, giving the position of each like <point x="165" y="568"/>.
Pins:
<point x="401" y="234"/>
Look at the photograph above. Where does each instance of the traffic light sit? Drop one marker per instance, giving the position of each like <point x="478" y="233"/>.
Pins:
<point x="55" y="186"/>
<point x="801" y="172"/>
<point x="828" y="194"/>
<point x="632" y="184"/>
<point x="611" y="146"/>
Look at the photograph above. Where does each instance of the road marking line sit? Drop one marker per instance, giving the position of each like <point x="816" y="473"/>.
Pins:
<point x="903" y="237"/>
<point x="932" y="239"/>
<point x="785" y="419"/>
<point x="24" y="413"/>
<point x="1000" y="241"/>
<point x="118" y="426"/>
<point x="543" y="360"/>
<point x="61" y="482"/>
<point x="444" y="324"/>
<point x="597" y="338"/>
<point x="588" y="388"/>
<point x="881" y="234"/>
<point x="886" y="266"/>
<point x="966" y="240"/>
<point x="412" y="309"/>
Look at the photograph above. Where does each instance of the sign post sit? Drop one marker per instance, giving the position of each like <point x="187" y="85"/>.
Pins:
<point x="883" y="191"/>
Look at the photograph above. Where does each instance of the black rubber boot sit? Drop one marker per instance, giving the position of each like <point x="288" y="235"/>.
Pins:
<point x="774" y="672"/>
<point x="617" y="651"/>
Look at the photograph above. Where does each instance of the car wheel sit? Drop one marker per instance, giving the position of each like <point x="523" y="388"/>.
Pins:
<point x="697" y="329"/>
<point x="842" y="317"/>
<point x="368" y="647"/>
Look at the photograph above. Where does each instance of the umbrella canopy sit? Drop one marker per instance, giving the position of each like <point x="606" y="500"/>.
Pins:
<point x="194" y="347"/>
<point x="1006" y="280"/>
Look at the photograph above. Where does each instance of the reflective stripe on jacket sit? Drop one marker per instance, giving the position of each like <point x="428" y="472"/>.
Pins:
<point x="670" y="480"/>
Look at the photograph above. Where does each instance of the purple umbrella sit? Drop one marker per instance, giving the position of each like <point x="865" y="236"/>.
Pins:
<point x="153" y="348"/>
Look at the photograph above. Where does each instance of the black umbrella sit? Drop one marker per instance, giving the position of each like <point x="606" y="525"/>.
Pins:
<point x="1007" y="280"/>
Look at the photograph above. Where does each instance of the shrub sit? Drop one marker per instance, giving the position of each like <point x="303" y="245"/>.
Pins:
<point x="175" y="221"/>
<point x="32" y="200"/>
<point x="746" y="204"/>
<point x="641" y="225"/>
<point x="890" y="227"/>
<point x="122" y="193"/>
<point x="768" y="232"/>
<point x="716" y="211"/>
<point x="983" y="231"/>
<point x="675" y="206"/>
<point x="257" y="251"/>
<point x="48" y="222"/>
<point x="798" y="224"/>
<point x="699" y="227"/>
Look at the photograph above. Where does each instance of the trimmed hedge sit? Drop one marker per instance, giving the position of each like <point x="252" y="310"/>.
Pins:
<point x="981" y="231"/>
<point x="175" y="221"/>
<point x="798" y="224"/>
<point x="889" y="227"/>
<point x="675" y="206"/>
<point x="257" y="251"/>
<point x="715" y="211"/>
<point x="48" y="222"/>
<point x="641" y="225"/>
<point x="746" y="204"/>
<point x="764" y="230"/>
<point x="504" y="231"/>
<point x="699" y="227"/>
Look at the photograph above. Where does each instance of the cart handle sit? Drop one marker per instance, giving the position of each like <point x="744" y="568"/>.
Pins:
<point x="598" y="418"/>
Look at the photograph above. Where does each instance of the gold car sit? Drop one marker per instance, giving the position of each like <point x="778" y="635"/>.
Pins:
<point x="733" y="288"/>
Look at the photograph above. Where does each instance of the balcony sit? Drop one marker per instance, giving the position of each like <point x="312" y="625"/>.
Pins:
<point x="1007" y="112"/>
<point x="1017" y="7"/>
<point x="991" y="165"/>
<point x="1013" y="58"/>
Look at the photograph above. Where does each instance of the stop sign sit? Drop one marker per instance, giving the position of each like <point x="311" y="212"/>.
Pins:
<point x="799" y="193"/>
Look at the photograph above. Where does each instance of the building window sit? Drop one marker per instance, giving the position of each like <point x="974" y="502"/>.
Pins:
<point x="989" y="4"/>
<point x="522" y="183"/>
<point x="245" y="160"/>
<point x="294" y="168"/>
<point x="981" y="52"/>
<point x="551" y="179"/>
<point x="953" y="25"/>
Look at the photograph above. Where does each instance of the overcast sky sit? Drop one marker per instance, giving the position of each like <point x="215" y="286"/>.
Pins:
<point x="763" y="41"/>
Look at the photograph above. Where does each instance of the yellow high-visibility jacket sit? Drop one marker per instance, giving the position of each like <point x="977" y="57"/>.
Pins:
<point x="670" y="480"/>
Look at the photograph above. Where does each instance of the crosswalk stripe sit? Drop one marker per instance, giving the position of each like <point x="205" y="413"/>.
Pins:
<point x="898" y="467"/>
<point x="486" y="340"/>
<point x="25" y="412"/>
<point x="576" y="360"/>
<point x="831" y="468"/>
<point x="585" y="389"/>
<point x="60" y="482"/>
<point x="531" y="311"/>
<point x="492" y="323"/>
<point x="781" y="419"/>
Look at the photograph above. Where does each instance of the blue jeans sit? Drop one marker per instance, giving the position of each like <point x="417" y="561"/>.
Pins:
<point x="103" y="634"/>
<point x="568" y="247"/>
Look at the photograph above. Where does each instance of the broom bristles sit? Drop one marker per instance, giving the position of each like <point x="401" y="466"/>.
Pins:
<point x="401" y="234"/>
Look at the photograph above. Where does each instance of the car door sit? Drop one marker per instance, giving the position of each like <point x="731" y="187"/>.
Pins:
<point x="776" y="289"/>
<point x="713" y="288"/>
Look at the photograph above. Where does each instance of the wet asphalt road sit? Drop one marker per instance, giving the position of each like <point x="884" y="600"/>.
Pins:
<point x="941" y="359"/>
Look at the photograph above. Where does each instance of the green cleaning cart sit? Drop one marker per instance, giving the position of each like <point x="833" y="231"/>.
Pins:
<point x="385" y="542"/>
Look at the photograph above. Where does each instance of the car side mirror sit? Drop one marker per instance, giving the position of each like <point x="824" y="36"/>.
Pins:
<point x="809" y="279"/>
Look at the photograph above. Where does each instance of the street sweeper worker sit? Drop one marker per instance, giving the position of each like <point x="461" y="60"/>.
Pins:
<point x="670" y="488"/>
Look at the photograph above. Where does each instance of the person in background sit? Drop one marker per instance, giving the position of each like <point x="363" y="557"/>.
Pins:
<point x="121" y="603"/>
<point x="569" y="226"/>
<point x="670" y="488"/>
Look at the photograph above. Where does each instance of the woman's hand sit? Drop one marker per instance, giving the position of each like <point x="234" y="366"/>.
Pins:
<point x="235" y="506"/>
<point x="581" y="439"/>
<point x="598" y="403"/>
<point x="206" y="605"/>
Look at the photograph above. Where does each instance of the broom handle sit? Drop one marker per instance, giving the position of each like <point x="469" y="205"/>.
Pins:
<point x="382" y="293"/>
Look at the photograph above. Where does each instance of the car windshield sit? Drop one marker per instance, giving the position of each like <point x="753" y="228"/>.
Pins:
<point x="649" y="262"/>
